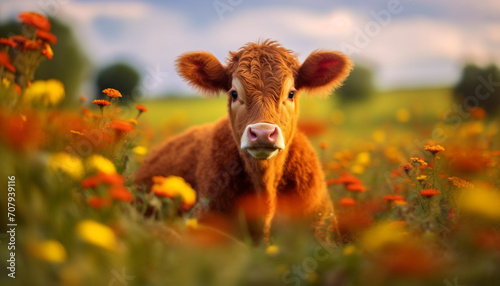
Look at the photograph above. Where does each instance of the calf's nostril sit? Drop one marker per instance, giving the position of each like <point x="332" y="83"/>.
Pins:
<point x="273" y="135"/>
<point x="251" y="134"/>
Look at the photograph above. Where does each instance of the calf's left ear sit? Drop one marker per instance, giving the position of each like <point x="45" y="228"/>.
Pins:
<point x="203" y="71"/>
<point x="322" y="72"/>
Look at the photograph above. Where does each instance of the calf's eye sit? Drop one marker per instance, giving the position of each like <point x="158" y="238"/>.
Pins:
<point x="234" y="95"/>
<point x="291" y="95"/>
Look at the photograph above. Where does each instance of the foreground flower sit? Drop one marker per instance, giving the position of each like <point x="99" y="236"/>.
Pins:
<point x="47" y="51"/>
<point x="382" y="235"/>
<point x="47" y="92"/>
<point x="482" y="202"/>
<point x="68" y="164"/>
<point x="36" y="20"/>
<point x="433" y="148"/>
<point x="46" y="36"/>
<point x="48" y="250"/>
<point x="98" y="163"/>
<point x="172" y="187"/>
<point x="97" y="234"/>
<point x="5" y="62"/>
<point x="8" y="42"/>
<point x="429" y="192"/>
<point x="111" y="92"/>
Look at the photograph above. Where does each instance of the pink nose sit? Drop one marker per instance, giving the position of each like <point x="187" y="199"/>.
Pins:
<point x="262" y="136"/>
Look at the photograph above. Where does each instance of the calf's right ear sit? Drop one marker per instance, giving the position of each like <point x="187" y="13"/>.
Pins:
<point x="203" y="71"/>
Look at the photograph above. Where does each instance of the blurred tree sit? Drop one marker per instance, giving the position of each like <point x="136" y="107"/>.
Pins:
<point x="120" y="76"/>
<point x="358" y="86"/>
<point x="69" y="63"/>
<point x="479" y="88"/>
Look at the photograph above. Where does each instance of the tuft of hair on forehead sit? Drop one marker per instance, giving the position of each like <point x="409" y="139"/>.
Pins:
<point x="263" y="67"/>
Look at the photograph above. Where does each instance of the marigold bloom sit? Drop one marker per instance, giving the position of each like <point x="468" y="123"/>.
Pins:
<point x="48" y="250"/>
<point x="358" y="188"/>
<point x="460" y="183"/>
<point x="418" y="161"/>
<point x="393" y="198"/>
<point x="46" y="36"/>
<point x="48" y="92"/>
<point x="97" y="234"/>
<point x="19" y="39"/>
<point x="8" y="42"/>
<point x="111" y="92"/>
<point x="68" y="164"/>
<point x="32" y="45"/>
<point x="90" y="182"/>
<point x="433" y="148"/>
<point x="407" y="168"/>
<point x="47" y="51"/>
<point x="101" y="102"/>
<point x="429" y="192"/>
<point x="121" y="126"/>
<point x="140" y="150"/>
<point x="172" y="187"/>
<point x="98" y="202"/>
<point x="347" y="202"/>
<point x="98" y="163"/>
<point x="36" y="20"/>
<point x="111" y="178"/>
<point x="5" y="61"/>
<point x="323" y="145"/>
<point x="141" y="108"/>
<point x="121" y="193"/>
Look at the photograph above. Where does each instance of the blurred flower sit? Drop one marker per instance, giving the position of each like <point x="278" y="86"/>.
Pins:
<point x="5" y="62"/>
<point x="121" y="126"/>
<point x="97" y="234"/>
<point x="111" y="92"/>
<point x="460" y="183"/>
<point x="407" y="168"/>
<point x="36" y="20"/>
<point x="358" y="188"/>
<point x="98" y="163"/>
<point x="98" y="202"/>
<point x="429" y="192"/>
<point x="8" y="42"/>
<point x="46" y="36"/>
<point x="192" y="223"/>
<point x="349" y="249"/>
<point x="48" y="250"/>
<point x="418" y="162"/>
<point x="272" y="250"/>
<point x="121" y="193"/>
<point x="49" y="92"/>
<point x="402" y="115"/>
<point x="133" y="121"/>
<point x="32" y="45"/>
<point x="478" y="112"/>
<point x="76" y="132"/>
<point x="101" y="102"/>
<point x="323" y="145"/>
<point x="68" y="164"/>
<point x="358" y="169"/>
<point x="172" y="187"/>
<point x="482" y="202"/>
<point x="363" y="158"/>
<point x="393" y="198"/>
<point x="433" y="148"/>
<point x="141" y="108"/>
<point x="47" y="51"/>
<point x="382" y="235"/>
<point x="140" y="150"/>
<point x="347" y="202"/>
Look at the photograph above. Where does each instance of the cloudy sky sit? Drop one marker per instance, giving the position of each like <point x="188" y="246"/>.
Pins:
<point x="407" y="43"/>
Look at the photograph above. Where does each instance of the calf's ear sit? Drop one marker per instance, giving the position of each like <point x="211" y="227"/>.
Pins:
<point x="203" y="71"/>
<point x="322" y="72"/>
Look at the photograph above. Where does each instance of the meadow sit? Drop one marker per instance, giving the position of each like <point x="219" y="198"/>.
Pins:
<point x="415" y="185"/>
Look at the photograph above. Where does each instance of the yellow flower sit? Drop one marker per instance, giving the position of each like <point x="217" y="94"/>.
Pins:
<point x="272" y="250"/>
<point x="48" y="250"/>
<point x="192" y="223"/>
<point x="363" y="158"/>
<point x="382" y="235"/>
<point x="460" y="183"/>
<point x="140" y="150"/>
<point x="68" y="164"/>
<point x="97" y="234"/>
<point x="98" y="163"/>
<point x="402" y="115"/>
<point x="481" y="202"/>
<point x="172" y="187"/>
<point x="49" y="92"/>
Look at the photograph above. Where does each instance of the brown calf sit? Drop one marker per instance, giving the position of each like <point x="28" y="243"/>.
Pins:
<point x="256" y="151"/>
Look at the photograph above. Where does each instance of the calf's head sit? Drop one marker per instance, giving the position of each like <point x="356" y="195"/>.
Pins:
<point x="263" y="82"/>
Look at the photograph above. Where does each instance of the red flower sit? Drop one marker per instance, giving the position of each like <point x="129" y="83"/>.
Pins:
<point x="36" y="20"/>
<point x="141" y="108"/>
<point x="358" y="188"/>
<point x="5" y="61"/>
<point x="347" y="202"/>
<point x="121" y="126"/>
<point x="90" y="182"/>
<point x="32" y="45"/>
<point x="429" y="192"/>
<point x="121" y="193"/>
<point x="8" y="42"/>
<point x="98" y="202"/>
<point x="18" y="39"/>
<point x="47" y="36"/>
<point x="390" y="198"/>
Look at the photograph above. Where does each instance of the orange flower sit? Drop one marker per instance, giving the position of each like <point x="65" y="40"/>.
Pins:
<point x="90" y="182"/>
<point x="478" y="112"/>
<point x="429" y="192"/>
<point x="460" y="183"/>
<point x="393" y="198"/>
<point x="433" y="148"/>
<point x="8" y="42"/>
<point x="347" y="202"/>
<point x="358" y="188"/>
<point x="323" y="145"/>
<point x="111" y="92"/>
<point x="36" y="20"/>
<point x="32" y="45"/>
<point x="98" y="202"/>
<point x="46" y="36"/>
<point x="407" y="168"/>
<point x="101" y="102"/>
<point x="111" y="179"/>
<point x="347" y="179"/>
<point x="5" y="61"/>
<point x="121" y="193"/>
<point x="47" y="51"/>
<point x="121" y="126"/>
<point x="141" y="108"/>
<point x="18" y="39"/>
